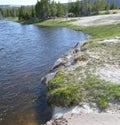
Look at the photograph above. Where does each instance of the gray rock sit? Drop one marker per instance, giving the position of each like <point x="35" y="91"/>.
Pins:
<point x="48" y="77"/>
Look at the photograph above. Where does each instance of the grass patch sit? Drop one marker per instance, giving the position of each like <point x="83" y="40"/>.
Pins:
<point x="92" y="44"/>
<point x="53" y="23"/>
<point x="15" y="19"/>
<point x="59" y="23"/>
<point x="64" y="92"/>
<point x="99" y="91"/>
<point x="102" y="32"/>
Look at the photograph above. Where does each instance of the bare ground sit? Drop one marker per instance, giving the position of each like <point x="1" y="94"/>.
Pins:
<point x="98" y="20"/>
<point x="88" y="119"/>
<point x="85" y="117"/>
<point x="94" y="119"/>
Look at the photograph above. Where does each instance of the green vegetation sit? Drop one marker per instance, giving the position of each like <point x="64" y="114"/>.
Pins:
<point x="56" y="23"/>
<point x="103" y="31"/>
<point x="26" y="13"/>
<point x="49" y="9"/>
<point x="12" y="19"/>
<point x="82" y="85"/>
<point x="46" y="9"/>
<point x="100" y="91"/>
<point x="9" y="12"/>
<point x="91" y="45"/>
<point x="65" y="91"/>
<point x="86" y="7"/>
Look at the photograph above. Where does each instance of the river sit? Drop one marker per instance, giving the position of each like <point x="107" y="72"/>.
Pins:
<point x="27" y="52"/>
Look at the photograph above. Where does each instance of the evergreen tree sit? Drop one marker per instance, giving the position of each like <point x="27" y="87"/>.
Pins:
<point x="113" y="5"/>
<point x="60" y="10"/>
<point x="53" y="10"/>
<point x="42" y="9"/>
<point x="1" y="13"/>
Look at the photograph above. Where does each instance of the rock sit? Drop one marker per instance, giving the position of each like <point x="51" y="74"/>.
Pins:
<point x="48" y="77"/>
<point x="60" y="62"/>
<point x="57" y="66"/>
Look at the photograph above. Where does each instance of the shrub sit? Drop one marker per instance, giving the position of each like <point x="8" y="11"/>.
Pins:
<point x="114" y="12"/>
<point x="62" y="92"/>
<point x="102" y="102"/>
<point x="65" y="96"/>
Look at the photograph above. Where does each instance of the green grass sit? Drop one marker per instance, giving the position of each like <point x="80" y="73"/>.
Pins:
<point x="102" y="32"/>
<point x="15" y="19"/>
<point x="65" y="91"/>
<point x="92" y="44"/>
<point x="59" y="23"/>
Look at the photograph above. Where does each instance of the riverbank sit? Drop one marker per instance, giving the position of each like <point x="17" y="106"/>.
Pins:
<point x="14" y="19"/>
<point x="87" y="76"/>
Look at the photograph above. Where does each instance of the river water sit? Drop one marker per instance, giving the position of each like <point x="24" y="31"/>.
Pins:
<point x="27" y="53"/>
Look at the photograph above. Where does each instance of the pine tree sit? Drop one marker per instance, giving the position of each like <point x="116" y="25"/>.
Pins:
<point x="53" y="9"/>
<point x="60" y="10"/>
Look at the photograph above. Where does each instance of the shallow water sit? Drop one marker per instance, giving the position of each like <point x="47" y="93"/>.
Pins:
<point x="27" y="53"/>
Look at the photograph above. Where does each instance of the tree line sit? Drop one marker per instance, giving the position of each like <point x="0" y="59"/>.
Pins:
<point x="90" y="7"/>
<point x="45" y="9"/>
<point x="9" y="12"/>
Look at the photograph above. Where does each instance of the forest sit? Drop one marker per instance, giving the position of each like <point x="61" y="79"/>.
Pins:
<point x="46" y="9"/>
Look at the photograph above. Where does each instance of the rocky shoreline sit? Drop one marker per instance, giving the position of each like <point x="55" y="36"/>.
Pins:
<point x="99" y="64"/>
<point x="64" y="61"/>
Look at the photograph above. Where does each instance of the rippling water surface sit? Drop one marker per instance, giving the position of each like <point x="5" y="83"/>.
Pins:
<point x="27" y="53"/>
